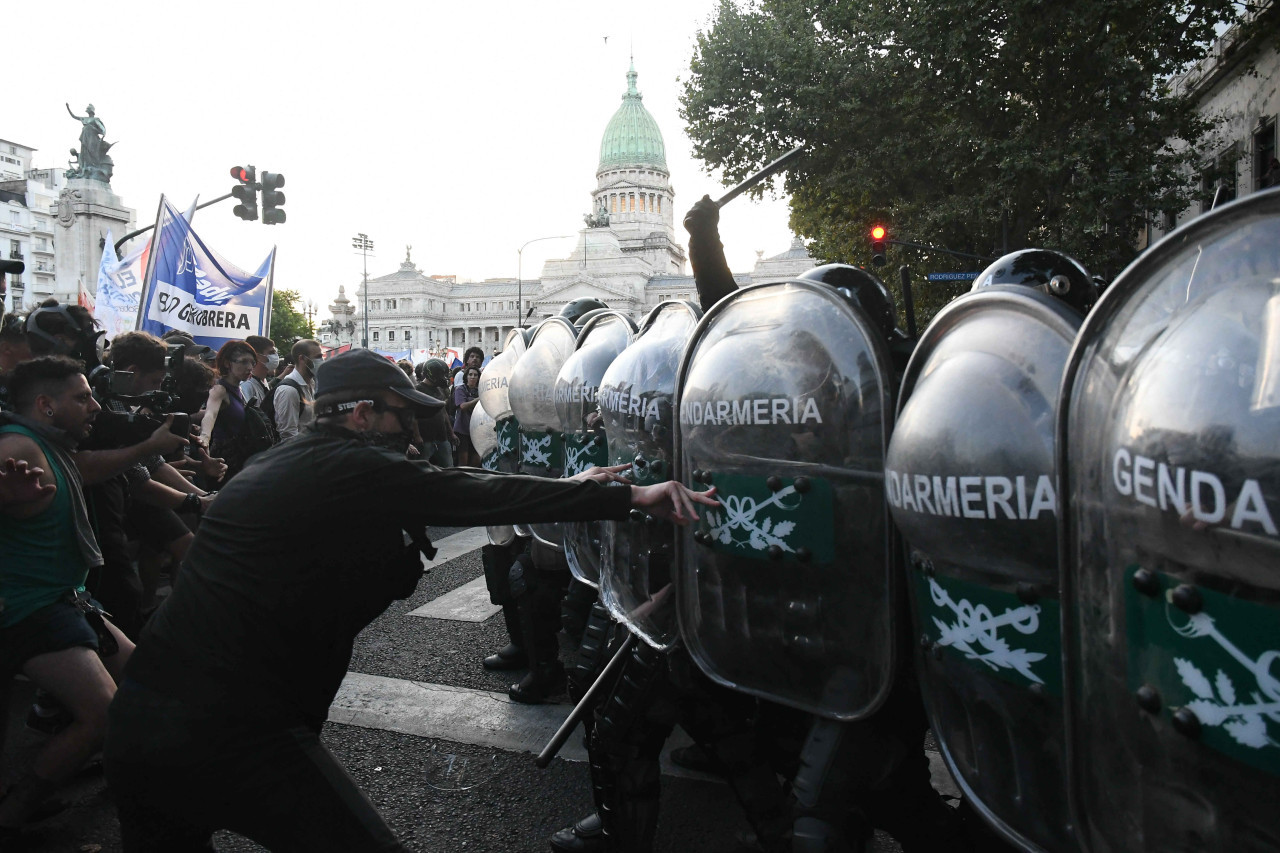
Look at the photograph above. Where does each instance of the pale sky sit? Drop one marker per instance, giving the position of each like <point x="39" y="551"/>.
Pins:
<point x="464" y="129"/>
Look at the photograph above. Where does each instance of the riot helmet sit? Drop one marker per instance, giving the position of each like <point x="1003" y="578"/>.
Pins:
<point x="864" y="288"/>
<point x="574" y="311"/>
<point x="1046" y="270"/>
<point x="435" y="372"/>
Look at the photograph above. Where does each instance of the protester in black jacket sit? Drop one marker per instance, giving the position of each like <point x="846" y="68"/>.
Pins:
<point x="217" y="722"/>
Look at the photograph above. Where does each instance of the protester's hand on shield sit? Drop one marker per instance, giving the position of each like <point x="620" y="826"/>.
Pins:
<point x="605" y="475"/>
<point x="671" y="501"/>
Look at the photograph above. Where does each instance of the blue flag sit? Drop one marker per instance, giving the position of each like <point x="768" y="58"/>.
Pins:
<point x="194" y="290"/>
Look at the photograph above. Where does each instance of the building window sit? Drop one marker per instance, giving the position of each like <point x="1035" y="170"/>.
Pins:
<point x="659" y="204"/>
<point x="1264" y="155"/>
<point x="1219" y="172"/>
<point x="391" y="305"/>
<point x="325" y="337"/>
<point x="613" y="203"/>
<point x="642" y="202"/>
<point x="15" y="217"/>
<point x="406" y="336"/>
<point x="375" y="336"/>
<point x="391" y="336"/>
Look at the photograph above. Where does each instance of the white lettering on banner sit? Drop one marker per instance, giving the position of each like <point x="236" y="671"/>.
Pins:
<point x="750" y="412"/>
<point x="177" y="309"/>
<point x="1171" y="488"/>
<point x="976" y="497"/>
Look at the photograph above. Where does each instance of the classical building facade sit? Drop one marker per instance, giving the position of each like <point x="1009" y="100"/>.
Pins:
<point x="1239" y="82"/>
<point x="627" y="255"/>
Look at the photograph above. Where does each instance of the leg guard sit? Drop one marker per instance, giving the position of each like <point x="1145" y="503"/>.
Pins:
<point x="593" y="652"/>
<point x="576" y="609"/>
<point x="629" y="732"/>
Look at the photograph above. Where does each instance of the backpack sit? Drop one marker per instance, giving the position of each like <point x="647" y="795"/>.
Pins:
<point x="268" y="407"/>
<point x="260" y="426"/>
<point x="450" y="407"/>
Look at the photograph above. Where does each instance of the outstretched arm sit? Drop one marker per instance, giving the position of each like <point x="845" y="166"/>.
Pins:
<point x="706" y="253"/>
<point x="73" y="115"/>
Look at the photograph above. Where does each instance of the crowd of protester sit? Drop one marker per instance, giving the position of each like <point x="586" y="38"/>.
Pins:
<point x="94" y="527"/>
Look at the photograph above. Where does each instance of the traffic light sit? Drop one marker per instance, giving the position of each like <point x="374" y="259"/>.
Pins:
<point x="272" y="198"/>
<point x="879" y="238"/>
<point x="246" y="191"/>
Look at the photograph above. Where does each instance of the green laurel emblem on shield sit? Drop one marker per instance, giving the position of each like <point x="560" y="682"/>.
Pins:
<point x="583" y="451"/>
<point x="1216" y="658"/>
<point x="993" y="630"/>
<point x="508" y="433"/>
<point x="542" y="452"/>
<point x="795" y="521"/>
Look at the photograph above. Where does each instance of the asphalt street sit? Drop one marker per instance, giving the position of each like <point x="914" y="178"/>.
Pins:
<point x="431" y="738"/>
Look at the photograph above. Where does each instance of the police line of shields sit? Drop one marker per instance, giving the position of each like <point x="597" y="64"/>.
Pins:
<point x="577" y="386"/>
<point x="1087" y="496"/>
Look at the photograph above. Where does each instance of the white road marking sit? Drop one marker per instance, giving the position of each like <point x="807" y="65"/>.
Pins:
<point x="464" y="715"/>
<point x="468" y="603"/>
<point x="452" y="547"/>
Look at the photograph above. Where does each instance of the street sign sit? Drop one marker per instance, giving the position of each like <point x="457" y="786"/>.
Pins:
<point x="951" y="276"/>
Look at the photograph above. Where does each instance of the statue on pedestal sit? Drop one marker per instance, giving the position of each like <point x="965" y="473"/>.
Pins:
<point x="92" y="160"/>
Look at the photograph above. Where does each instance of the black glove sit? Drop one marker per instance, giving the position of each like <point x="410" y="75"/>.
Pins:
<point x="703" y="221"/>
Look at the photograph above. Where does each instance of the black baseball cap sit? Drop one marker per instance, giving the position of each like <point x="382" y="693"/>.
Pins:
<point x="361" y="369"/>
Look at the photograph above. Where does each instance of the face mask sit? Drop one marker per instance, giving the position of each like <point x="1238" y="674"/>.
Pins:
<point x="396" y="441"/>
<point x="273" y="361"/>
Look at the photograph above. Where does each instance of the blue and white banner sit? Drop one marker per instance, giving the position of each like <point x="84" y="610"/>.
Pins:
<point x="194" y="290"/>
<point x="119" y="289"/>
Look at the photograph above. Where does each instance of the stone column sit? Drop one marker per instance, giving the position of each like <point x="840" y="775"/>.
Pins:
<point x="87" y="209"/>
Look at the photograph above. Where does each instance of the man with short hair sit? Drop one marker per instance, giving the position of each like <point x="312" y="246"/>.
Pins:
<point x="473" y="357"/>
<point x="295" y="395"/>
<point x="255" y="387"/>
<point x="49" y="629"/>
<point x="217" y="722"/>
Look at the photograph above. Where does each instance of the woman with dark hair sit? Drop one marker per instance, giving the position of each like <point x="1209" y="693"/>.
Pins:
<point x="465" y="397"/>
<point x="223" y="427"/>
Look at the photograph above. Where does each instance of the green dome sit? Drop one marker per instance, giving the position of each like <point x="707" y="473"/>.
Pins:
<point x="632" y="137"/>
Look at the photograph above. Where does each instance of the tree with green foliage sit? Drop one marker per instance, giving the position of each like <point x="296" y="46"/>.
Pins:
<point x="973" y="126"/>
<point x="288" y="324"/>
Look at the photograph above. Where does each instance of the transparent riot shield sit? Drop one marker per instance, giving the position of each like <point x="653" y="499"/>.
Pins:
<point x="970" y="483"/>
<point x="599" y="343"/>
<point x="532" y="395"/>
<point x="495" y="382"/>
<point x="1169" y="460"/>
<point x="788" y="591"/>
<point x="637" y="400"/>
<point x="484" y="435"/>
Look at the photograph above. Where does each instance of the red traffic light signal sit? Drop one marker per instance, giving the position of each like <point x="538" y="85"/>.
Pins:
<point x="879" y="238"/>
<point x="246" y="192"/>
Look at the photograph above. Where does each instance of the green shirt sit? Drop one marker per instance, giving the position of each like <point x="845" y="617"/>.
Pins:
<point x="40" y="560"/>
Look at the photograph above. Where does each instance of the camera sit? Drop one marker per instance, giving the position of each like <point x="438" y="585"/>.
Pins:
<point x="120" y="429"/>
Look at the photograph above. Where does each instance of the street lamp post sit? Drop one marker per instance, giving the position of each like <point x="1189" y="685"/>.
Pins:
<point x="365" y="245"/>
<point x="520" y="274"/>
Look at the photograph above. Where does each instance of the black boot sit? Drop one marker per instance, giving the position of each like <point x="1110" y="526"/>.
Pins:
<point x="542" y="683"/>
<point x="512" y="655"/>
<point x="585" y="836"/>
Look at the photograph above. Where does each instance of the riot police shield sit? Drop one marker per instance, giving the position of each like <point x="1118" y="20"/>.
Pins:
<point x="495" y="382"/>
<point x="969" y="475"/>
<point x="484" y="435"/>
<point x="637" y="400"/>
<point x="1169" y="463"/>
<point x="604" y="336"/>
<point x="532" y="395"/>
<point x="788" y="590"/>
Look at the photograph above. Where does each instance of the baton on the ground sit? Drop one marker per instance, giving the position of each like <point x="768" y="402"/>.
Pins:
<point x="760" y="176"/>
<point x="586" y="703"/>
